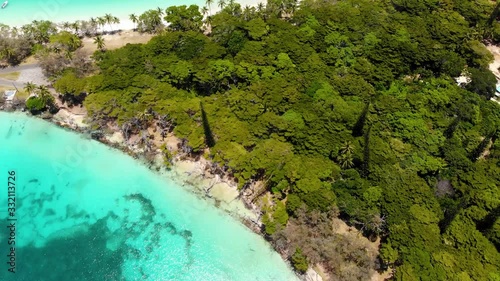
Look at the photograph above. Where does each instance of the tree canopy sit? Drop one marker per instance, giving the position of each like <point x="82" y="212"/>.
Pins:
<point x="349" y="105"/>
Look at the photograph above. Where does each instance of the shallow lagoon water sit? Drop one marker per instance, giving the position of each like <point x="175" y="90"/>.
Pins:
<point x="88" y="212"/>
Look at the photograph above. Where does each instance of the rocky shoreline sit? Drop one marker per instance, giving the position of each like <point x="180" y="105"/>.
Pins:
<point x="195" y="172"/>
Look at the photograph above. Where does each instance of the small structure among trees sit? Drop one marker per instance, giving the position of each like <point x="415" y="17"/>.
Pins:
<point x="9" y="95"/>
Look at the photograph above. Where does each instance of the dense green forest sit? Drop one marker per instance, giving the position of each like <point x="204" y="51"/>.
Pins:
<point x="341" y="108"/>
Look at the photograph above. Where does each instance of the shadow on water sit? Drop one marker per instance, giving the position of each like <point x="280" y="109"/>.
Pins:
<point x="9" y="133"/>
<point x="83" y="256"/>
<point x="83" y="253"/>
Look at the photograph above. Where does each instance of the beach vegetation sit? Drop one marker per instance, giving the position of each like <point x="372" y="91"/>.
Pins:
<point x="134" y="18"/>
<point x="183" y="18"/>
<point x="65" y="40"/>
<point x="14" y="50"/>
<point x="299" y="261"/>
<point x="110" y="19"/>
<point x="168" y="157"/>
<point x="221" y="4"/>
<point x="150" y="22"/>
<point x="209" y="4"/>
<point x="102" y="22"/>
<point x="40" y="100"/>
<point x="99" y="42"/>
<point x="30" y="87"/>
<point x="71" y="88"/>
<point x="35" y="105"/>
<point x="39" y="31"/>
<point x="483" y="82"/>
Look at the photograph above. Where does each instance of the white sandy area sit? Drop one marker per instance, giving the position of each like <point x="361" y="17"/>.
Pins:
<point x="125" y="24"/>
<point x="116" y="137"/>
<point x="495" y="50"/>
<point x="70" y="119"/>
<point x="117" y="40"/>
<point x="223" y="192"/>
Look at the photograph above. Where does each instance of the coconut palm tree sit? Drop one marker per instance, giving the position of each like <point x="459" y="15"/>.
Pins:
<point x="348" y="147"/>
<point x="30" y="87"/>
<point x="66" y="26"/>
<point x="260" y="7"/>
<point x="209" y="4"/>
<point x="204" y="11"/>
<point x="116" y="20"/>
<point x="45" y="95"/>
<point x="94" y="23"/>
<point x="345" y="158"/>
<point x="76" y="27"/>
<point x="102" y="22"/>
<point x="150" y="21"/>
<point x="222" y="4"/>
<point x="74" y="43"/>
<point x="281" y="9"/>
<point x="159" y="10"/>
<point x="208" y="21"/>
<point x="109" y="20"/>
<point x="346" y="161"/>
<point x="134" y="19"/>
<point x="99" y="41"/>
<point x="247" y="12"/>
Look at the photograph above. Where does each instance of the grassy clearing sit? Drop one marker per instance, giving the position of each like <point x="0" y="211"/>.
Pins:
<point x="22" y="95"/>
<point x="13" y="76"/>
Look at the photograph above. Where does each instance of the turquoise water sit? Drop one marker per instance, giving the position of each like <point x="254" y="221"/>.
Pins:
<point x="19" y="12"/>
<point x="88" y="212"/>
